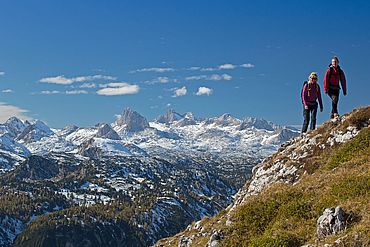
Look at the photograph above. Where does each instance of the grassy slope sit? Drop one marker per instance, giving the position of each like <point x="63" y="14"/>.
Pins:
<point x="286" y="215"/>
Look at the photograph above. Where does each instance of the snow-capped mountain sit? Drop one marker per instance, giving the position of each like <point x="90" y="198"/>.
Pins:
<point x="178" y="163"/>
<point x="13" y="127"/>
<point x="34" y="132"/>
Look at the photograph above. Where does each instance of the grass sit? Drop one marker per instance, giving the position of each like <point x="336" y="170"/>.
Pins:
<point x="286" y="215"/>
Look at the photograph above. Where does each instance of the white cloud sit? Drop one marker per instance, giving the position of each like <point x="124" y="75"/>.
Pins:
<point x="158" y="70"/>
<point x="180" y="92"/>
<point x="7" y="91"/>
<point x="213" y="77"/>
<point x="204" y="91"/>
<point x="227" y="77"/>
<point x="2" y="73"/>
<point x="7" y="111"/>
<point x="227" y="66"/>
<point x="77" y="92"/>
<point x="88" y="85"/>
<point x="208" y="69"/>
<point x="163" y="79"/>
<point x="247" y="65"/>
<point x="194" y="68"/>
<point x="114" y="84"/>
<point x="49" y="92"/>
<point x="196" y="78"/>
<point x="66" y="81"/>
<point x="118" y="89"/>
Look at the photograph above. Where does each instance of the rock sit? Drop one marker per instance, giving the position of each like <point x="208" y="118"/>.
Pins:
<point x="330" y="222"/>
<point x="184" y="242"/>
<point x="215" y="238"/>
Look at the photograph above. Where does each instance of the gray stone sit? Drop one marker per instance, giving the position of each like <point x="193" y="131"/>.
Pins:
<point x="215" y="238"/>
<point x="184" y="242"/>
<point x="330" y="222"/>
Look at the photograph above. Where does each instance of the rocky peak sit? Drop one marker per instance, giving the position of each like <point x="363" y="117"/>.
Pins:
<point x="68" y="130"/>
<point x="169" y="117"/>
<point x="13" y="126"/>
<point x="132" y="121"/>
<point x="251" y="122"/>
<point x="106" y="131"/>
<point x="34" y="132"/>
<point x="224" y="120"/>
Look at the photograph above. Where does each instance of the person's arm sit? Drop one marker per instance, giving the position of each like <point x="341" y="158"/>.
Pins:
<point x="304" y="96"/>
<point x="319" y="97"/>
<point x="326" y="81"/>
<point x="343" y="82"/>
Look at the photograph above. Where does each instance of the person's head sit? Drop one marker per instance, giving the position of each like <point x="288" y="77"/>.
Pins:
<point x="335" y="61"/>
<point x="313" y="77"/>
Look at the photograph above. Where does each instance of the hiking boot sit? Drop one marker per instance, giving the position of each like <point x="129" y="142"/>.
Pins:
<point x="336" y="115"/>
<point x="332" y="116"/>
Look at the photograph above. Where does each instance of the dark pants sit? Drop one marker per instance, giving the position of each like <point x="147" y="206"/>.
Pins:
<point x="312" y="110"/>
<point x="334" y="96"/>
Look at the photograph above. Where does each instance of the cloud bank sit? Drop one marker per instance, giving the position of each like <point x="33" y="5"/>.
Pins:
<point x="66" y="81"/>
<point x="7" y="111"/>
<point x="119" y="88"/>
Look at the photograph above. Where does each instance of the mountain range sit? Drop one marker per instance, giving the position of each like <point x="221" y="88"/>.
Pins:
<point x="128" y="183"/>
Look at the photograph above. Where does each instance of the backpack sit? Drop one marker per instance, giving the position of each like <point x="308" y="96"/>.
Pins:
<point x="306" y="82"/>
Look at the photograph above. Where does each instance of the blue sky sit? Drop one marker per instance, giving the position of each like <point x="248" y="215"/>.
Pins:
<point x="83" y="62"/>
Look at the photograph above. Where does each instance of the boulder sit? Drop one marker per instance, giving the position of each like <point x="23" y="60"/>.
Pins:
<point x="330" y="222"/>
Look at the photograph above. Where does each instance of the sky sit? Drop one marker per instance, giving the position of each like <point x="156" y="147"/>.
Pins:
<point x="83" y="62"/>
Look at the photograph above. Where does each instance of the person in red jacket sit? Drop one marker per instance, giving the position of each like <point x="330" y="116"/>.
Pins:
<point x="310" y="94"/>
<point x="334" y="74"/>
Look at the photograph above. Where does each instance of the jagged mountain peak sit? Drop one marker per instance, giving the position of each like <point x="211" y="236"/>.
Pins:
<point x="169" y="117"/>
<point x="131" y="121"/>
<point x="106" y="131"/>
<point x="34" y="132"/>
<point x="67" y="130"/>
<point x="258" y="123"/>
<point x="13" y="126"/>
<point x="225" y="119"/>
<point x="14" y="120"/>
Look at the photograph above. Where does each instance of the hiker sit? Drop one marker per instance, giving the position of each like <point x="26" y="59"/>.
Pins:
<point x="310" y="94"/>
<point x="333" y="75"/>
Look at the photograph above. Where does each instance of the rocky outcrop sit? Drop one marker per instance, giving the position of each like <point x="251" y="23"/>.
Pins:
<point x="331" y="222"/>
<point x="215" y="238"/>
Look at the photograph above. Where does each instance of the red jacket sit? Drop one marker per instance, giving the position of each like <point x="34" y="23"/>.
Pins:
<point x="333" y="82"/>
